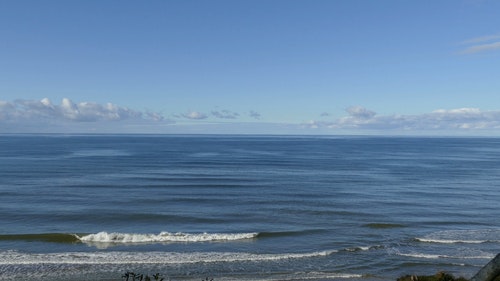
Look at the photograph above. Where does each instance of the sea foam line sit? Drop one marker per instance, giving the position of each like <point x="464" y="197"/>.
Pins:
<point x="105" y="237"/>
<point x="451" y="241"/>
<point x="434" y="256"/>
<point x="304" y="276"/>
<point x="95" y="258"/>
<point x="471" y="236"/>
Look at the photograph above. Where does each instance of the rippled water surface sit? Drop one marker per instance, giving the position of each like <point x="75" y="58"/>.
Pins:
<point x="246" y="207"/>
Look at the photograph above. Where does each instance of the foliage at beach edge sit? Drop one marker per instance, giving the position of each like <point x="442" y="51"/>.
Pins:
<point x="440" y="276"/>
<point x="132" y="276"/>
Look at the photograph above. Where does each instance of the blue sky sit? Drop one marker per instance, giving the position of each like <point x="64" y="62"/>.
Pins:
<point x="246" y="67"/>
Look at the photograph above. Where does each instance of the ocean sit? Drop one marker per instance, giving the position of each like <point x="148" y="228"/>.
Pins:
<point x="191" y="207"/>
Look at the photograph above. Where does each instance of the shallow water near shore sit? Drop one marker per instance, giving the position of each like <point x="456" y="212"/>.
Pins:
<point x="246" y="207"/>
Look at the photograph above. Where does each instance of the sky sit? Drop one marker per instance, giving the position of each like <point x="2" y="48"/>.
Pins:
<point x="385" y="67"/>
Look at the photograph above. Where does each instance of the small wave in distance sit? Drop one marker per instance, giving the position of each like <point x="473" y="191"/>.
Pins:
<point x="476" y="236"/>
<point x="437" y="256"/>
<point x="164" y="237"/>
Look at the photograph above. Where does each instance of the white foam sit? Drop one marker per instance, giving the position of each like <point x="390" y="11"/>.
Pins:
<point x="304" y="276"/>
<point x="421" y="255"/>
<point x="164" y="237"/>
<point x="450" y="241"/>
<point x="468" y="236"/>
<point x="434" y="256"/>
<point x="95" y="258"/>
<point x="360" y="248"/>
<point x="331" y="276"/>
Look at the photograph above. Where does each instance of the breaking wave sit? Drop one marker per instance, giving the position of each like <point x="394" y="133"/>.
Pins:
<point x="90" y="258"/>
<point x="451" y="241"/>
<point x="163" y="237"/>
<point x="129" y="238"/>
<point x="477" y="236"/>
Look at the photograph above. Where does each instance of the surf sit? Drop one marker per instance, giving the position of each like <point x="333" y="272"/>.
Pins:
<point x="93" y="258"/>
<point x="129" y="238"/>
<point x="162" y="237"/>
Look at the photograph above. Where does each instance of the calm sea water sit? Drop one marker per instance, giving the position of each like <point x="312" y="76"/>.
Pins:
<point x="246" y="207"/>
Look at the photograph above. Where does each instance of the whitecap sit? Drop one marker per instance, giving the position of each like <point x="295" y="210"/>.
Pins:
<point x="164" y="237"/>
<point x="449" y="241"/>
<point x="361" y="248"/>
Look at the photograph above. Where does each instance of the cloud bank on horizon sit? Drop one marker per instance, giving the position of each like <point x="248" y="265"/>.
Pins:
<point x="43" y="116"/>
<point x="29" y="110"/>
<point x="460" y="119"/>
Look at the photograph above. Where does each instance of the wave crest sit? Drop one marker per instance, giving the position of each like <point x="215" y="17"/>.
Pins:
<point x="437" y="256"/>
<point x="451" y="241"/>
<point x="164" y="237"/>
<point x="476" y="236"/>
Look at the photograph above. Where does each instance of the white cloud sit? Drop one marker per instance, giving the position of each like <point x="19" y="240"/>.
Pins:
<point x="359" y="112"/>
<point x="155" y="116"/>
<point x="481" y="48"/>
<point x="194" y="115"/>
<point x="25" y="110"/>
<point x="453" y="119"/>
<point x="45" y="116"/>
<point x="7" y="110"/>
<point x="254" y="114"/>
<point x="225" y="114"/>
<point x="482" y="44"/>
<point x="482" y="39"/>
<point x="217" y="114"/>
